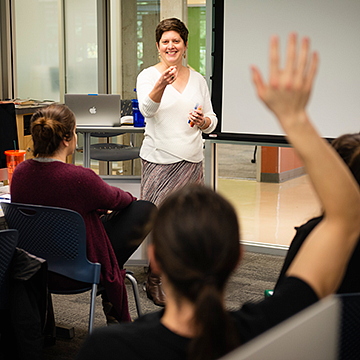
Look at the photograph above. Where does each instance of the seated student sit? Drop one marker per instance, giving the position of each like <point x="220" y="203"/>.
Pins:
<point x="348" y="147"/>
<point x="48" y="180"/>
<point x="196" y="244"/>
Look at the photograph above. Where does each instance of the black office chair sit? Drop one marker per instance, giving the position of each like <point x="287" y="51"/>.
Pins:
<point x="59" y="236"/>
<point x="349" y="344"/>
<point x="112" y="151"/>
<point x="8" y="242"/>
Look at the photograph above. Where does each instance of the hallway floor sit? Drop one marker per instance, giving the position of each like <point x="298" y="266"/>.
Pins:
<point x="268" y="211"/>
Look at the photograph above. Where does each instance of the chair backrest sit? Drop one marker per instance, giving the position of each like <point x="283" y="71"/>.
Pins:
<point x="55" y="234"/>
<point x="349" y="344"/>
<point x="8" y="241"/>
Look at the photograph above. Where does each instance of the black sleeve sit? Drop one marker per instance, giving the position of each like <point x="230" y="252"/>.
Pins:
<point x="108" y="343"/>
<point x="302" y="233"/>
<point x="292" y="296"/>
<point x="128" y="341"/>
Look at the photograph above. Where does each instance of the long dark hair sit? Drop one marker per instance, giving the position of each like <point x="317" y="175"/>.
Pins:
<point x="49" y="126"/>
<point x="196" y="240"/>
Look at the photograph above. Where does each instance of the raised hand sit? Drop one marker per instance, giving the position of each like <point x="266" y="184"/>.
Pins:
<point x="168" y="76"/>
<point x="322" y="261"/>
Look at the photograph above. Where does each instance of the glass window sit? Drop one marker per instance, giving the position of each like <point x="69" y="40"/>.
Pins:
<point x="133" y="46"/>
<point x="81" y="46"/>
<point x="37" y="49"/>
<point x="197" y="38"/>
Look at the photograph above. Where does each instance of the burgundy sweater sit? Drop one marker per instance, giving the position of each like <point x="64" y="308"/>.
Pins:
<point x="80" y="189"/>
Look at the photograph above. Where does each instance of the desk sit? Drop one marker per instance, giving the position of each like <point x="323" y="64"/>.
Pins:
<point x="4" y="197"/>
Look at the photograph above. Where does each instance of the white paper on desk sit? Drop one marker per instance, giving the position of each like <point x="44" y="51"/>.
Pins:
<point x="7" y="200"/>
<point x="4" y="189"/>
<point x="127" y="120"/>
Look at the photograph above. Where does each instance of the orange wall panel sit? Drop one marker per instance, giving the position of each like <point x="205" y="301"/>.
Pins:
<point x="289" y="160"/>
<point x="270" y="159"/>
<point x="275" y="160"/>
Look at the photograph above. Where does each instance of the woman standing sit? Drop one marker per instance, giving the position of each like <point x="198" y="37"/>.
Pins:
<point x="176" y="103"/>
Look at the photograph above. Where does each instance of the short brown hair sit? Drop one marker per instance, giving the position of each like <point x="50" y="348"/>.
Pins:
<point x="49" y="126"/>
<point x="172" y="24"/>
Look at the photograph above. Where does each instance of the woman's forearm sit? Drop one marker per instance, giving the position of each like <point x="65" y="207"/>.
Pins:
<point x="157" y="92"/>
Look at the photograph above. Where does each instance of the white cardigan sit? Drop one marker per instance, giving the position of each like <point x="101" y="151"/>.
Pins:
<point x="168" y="136"/>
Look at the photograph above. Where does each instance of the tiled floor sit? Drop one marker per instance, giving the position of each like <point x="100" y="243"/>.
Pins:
<point x="268" y="212"/>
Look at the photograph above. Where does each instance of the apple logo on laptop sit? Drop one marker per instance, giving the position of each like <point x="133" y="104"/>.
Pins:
<point x="92" y="110"/>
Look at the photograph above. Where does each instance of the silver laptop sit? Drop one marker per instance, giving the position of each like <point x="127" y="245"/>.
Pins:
<point x="95" y="109"/>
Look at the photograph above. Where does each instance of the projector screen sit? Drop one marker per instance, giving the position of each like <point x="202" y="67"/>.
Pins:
<point x="241" y="38"/>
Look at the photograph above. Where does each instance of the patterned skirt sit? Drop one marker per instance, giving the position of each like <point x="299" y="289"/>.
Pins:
<point x="158" y="180"/>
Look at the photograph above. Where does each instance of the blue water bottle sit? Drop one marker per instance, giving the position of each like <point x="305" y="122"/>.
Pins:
<point x="139" y="120"/>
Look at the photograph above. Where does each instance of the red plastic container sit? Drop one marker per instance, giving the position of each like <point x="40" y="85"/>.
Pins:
<point x="13" y="158"/>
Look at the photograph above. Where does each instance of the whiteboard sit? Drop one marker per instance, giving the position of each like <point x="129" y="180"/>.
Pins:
<point x="334" y="29"/>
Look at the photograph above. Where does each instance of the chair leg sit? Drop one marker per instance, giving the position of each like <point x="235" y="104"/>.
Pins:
<point x="254" y="158"/>
<point x="92" y="307"/>
<point x="136" y="293"/>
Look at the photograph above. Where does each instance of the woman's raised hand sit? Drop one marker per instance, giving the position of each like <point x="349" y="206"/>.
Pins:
<point x="166" y="78"/>
<point x="169" y="76"/>
<point x="288" y="89"/>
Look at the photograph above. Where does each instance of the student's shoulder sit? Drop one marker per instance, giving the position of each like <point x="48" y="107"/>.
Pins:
<point x="309" y="225"/>
<point x="78" y="169"/>
<point x="256" y="317"/>
<point x="145" y="324"/>
<point x="145" y="338"/>
<point x="124" y="338"/>
<point x="77" y="175"/>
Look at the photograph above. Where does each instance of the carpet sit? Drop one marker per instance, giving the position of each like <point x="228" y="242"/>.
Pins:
<point x="256" y="273"/>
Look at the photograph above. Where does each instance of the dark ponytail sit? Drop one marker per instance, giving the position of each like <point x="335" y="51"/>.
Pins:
<point x="218" y="335"/>
<point x="196" y="240"/>
<point x="49" y="126"/>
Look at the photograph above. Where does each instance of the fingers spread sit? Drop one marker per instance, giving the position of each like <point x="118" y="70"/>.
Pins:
<point x="274" y="62"/>
<point x="290" y="61"/>
<point x="289" y="88"/>
<point x="258" y="82"/>
<point x="302" y="65"/>
<point x="312" y="72"/>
